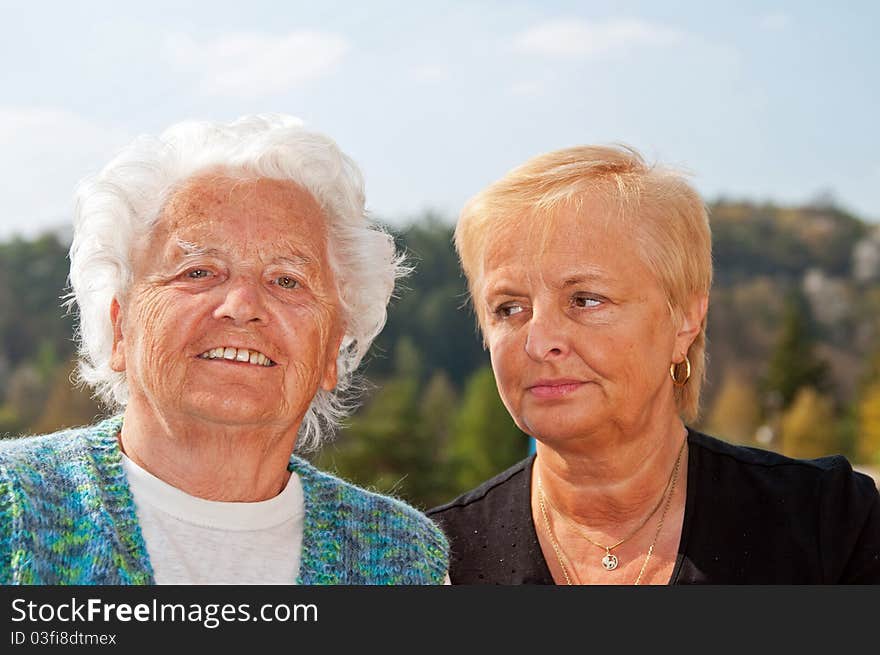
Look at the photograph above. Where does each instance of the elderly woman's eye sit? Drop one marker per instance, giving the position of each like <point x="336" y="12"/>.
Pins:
<point x="198" y="273"/>
<point x="286" y="282"/>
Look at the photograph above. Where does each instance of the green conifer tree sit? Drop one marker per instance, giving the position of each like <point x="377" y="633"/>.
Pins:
<point x="793" y="363"/>
<point x="485" y="440"/>
<point x="383" y="446"/>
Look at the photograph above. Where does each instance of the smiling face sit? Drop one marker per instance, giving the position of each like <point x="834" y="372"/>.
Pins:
<point x="232" y="316"/>
<point x="579" y="330"/>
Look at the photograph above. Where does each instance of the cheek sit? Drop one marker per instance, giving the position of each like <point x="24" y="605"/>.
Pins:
<point x="660" y="334"/>
<point x="645" y="356"/>
<point x="309" y="332"/>
<point x="508" y="361"/>
<point x="327" y="328"/>
<point x="158" y="322"/>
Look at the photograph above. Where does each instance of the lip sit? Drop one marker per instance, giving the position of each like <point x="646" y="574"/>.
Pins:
<point x="554" y="388"/>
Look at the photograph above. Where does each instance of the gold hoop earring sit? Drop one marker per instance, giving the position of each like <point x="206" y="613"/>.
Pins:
<point x="687" y="372"/>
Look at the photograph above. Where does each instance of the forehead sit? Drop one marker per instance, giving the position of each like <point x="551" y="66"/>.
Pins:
<point x="584" y="234"/>
<point x="210" y="196"/>
<point x="243" y="215"/>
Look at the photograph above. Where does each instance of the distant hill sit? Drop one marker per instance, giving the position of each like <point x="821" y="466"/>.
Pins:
<point x="764" y="253"/>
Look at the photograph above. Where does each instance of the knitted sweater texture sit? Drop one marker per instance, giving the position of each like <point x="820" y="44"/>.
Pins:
<point x="67" y="516"/>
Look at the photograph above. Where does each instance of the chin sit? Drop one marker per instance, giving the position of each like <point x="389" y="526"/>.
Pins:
<point x="238" y="410"/>
<point x="236" y="418"/>
<point x="556" y="430"/>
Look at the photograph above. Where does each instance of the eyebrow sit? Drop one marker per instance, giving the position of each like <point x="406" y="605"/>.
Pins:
<point x="580" y="279"/>
<point x="295" y="260"/>
<point x="193" y="249"/>
<point x="505" y="288"/>
<point x="190" y="248"/>
<point x="501" y="290"/>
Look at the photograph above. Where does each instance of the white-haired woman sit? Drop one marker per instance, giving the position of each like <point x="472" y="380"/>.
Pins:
<point x="590" y="271"/>
<point x="228" y="284"/>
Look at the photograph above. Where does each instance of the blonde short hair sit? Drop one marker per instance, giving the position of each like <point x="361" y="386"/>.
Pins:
<point x="668" y="218"/>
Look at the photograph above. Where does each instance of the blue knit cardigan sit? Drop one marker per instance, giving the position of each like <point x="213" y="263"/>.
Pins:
<point x="67" y="516"/>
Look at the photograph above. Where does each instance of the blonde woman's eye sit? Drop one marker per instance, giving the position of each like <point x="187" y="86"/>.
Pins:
<point x="586" y="301"/>
<point x="286" y="282"/>
<point x="507" y="310"/>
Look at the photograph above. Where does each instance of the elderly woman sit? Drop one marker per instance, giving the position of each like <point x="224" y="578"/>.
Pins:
<point x="228" y="285"/>
<point x="590" y="273"/>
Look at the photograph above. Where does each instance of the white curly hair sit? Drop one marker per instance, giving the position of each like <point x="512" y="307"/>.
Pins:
<point x="123" y="201"/>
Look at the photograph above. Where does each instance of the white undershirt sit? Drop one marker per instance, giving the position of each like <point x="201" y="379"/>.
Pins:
<point x="191" y="540"/>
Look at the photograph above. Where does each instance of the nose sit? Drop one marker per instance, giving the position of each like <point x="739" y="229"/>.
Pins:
<point x="242" y="303"/>
<point x="546" y="338"/>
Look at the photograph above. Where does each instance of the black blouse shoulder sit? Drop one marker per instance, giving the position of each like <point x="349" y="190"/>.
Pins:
<point x="491" y="534"/>
<point x="751" y="517"/>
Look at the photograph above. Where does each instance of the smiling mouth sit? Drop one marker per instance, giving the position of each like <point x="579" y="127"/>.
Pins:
<point x="243" y="355"/>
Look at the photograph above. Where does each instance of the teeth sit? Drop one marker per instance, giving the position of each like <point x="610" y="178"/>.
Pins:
<point x="238" y="355"/>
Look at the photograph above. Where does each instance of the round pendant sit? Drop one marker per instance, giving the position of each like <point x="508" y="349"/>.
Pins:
<point x="609" y="562"/>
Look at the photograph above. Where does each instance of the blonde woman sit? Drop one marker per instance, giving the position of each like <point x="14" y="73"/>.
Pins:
<point x="590" y="273"/>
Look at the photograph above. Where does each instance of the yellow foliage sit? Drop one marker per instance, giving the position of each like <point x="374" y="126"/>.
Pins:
<point x="736" y="412"/>
<point x="869" y="425"/>
<point x="808" y="427"/>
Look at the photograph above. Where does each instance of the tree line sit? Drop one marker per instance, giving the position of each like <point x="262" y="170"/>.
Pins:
<point x="793" y="347"/>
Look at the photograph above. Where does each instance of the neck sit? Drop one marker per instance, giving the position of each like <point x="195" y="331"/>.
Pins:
<point x="614" y="482"/>
<point x="206" y="459"/>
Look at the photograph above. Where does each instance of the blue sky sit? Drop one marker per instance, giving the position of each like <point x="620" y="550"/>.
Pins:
<point x="758" y="100"/>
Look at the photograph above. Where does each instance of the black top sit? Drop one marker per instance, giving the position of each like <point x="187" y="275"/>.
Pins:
<point x="751" y="517"/>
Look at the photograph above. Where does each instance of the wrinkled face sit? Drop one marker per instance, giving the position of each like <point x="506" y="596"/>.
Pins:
<point x="233" y="314"/>
<point x="578" y="328"/>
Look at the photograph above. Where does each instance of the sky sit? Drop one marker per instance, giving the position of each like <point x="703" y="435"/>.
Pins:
<point x="761" y="101"/>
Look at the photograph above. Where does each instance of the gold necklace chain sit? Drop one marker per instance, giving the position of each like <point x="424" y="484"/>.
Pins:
<point x="610" y="561"/>
<point x="558" y="550"/>
<point x="662" y="516"/>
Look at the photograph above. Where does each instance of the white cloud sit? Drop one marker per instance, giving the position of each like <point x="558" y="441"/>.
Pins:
<point x="44" y="153"/>
<point x="574" y="38"/>
<point x="256" y="64"/>
<point x="774" y="22"/>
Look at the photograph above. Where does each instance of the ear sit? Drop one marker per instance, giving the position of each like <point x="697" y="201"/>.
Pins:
<point x="117" y="357"/>
<point x="692" y="316"/>
<point x="328" y="382"/>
